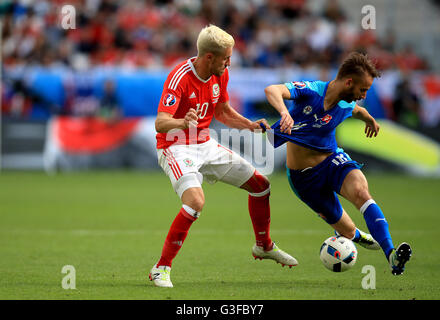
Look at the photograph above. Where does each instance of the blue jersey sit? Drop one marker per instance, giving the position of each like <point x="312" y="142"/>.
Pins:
<point x="313" y="127"/>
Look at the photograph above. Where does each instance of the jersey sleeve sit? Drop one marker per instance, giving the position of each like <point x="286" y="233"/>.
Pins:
<point x="296" y="89"/>
<point x="170" y="99"/>
<point x="224" y="96"/>
<point x="300" y="89"/>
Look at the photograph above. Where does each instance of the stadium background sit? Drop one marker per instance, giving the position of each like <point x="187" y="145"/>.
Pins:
<point x="85" y="99"/>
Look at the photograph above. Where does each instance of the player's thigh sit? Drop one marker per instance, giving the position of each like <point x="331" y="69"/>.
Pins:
<point x="226" y="166"/>
<point x="345" y="226"/>
<point x="313" y="190"/>
<point x="181" y="167"/>
<point x="355" y="188"/>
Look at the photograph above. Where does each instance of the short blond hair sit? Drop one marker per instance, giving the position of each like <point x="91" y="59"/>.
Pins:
<point x="213" y="39"/>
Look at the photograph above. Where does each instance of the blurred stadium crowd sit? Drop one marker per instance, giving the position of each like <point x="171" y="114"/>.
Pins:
<point x="156" y="34"/>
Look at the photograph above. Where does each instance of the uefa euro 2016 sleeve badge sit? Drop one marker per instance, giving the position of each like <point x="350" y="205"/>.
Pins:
<point x="169" y="100"/>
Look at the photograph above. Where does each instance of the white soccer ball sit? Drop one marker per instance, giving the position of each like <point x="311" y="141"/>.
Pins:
<point x="338" y="254"/>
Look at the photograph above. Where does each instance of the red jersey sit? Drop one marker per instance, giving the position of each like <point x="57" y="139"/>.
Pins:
<point x="183" y="90"/>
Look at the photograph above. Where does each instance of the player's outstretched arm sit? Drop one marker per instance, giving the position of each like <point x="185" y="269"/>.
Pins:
<point x="371" y="125"/>
<point x="231" y="118"/>
<point x="276" y="94"/>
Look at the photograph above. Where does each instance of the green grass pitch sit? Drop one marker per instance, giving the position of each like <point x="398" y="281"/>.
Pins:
<point x="111" y="226"/>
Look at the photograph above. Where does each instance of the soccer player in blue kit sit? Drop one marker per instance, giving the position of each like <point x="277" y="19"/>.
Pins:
<point x="317" y="169"/>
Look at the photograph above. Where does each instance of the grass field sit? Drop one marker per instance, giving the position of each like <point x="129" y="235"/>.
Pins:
<point x="111" y="226"/>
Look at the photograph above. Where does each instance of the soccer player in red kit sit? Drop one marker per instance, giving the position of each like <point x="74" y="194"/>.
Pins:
<point x="195" y="91"/>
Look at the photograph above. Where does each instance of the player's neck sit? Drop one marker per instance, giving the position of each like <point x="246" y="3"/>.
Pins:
<point x="202" y="68"/>
<point x="332" y="95"/>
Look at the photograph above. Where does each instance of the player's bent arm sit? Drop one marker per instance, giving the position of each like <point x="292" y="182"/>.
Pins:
<point x="371" y="126"/>
<point x="361" y="114"/>
<point x="228" y="116"/>
<point x="276" y="94"/>
<point x="165" y="122"/>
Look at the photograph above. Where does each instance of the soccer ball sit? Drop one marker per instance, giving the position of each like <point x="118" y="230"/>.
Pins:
<point x="338" y="254"/>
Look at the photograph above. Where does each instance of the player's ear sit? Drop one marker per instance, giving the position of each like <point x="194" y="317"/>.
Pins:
<point x="348" y="82"/>
<point x="210" y="56"/>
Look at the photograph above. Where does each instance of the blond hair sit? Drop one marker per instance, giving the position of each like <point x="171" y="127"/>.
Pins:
<point x="213" y="39"/>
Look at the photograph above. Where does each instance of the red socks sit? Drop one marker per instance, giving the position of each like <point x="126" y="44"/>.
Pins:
<point x="259" y="210"/>
<point x="176" y="236"/>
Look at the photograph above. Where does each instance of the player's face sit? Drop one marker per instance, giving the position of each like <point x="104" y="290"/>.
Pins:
<point x="357" y="87"/>
<point x="221" y="62"/>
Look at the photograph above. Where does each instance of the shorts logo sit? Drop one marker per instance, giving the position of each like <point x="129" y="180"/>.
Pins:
<point x="188" y="162"/>
<point x="215" y="90"/>
<point x="307" y="110"/>
<point x="169" y="100"/>
<point x="299" y="84"/>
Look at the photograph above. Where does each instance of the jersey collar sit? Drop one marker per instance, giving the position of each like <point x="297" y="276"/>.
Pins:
<point x="190" y="62"/>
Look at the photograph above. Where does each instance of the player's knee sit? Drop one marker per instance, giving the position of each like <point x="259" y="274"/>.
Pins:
<point x="196" y="204"/>
<point x="361" y="195"/>
<point x="257" y="185"/>
<point x="194" y="198"/>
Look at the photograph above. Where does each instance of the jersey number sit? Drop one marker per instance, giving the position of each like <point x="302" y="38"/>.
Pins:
<point x="203" y="109"/>
<point x="339" y="159"/>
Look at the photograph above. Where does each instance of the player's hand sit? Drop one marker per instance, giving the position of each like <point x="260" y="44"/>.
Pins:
<point x="286" y="122"/>
<point x="191" y="118"/>
<point x="371" y="128"/>
<point x="260" y="124"/>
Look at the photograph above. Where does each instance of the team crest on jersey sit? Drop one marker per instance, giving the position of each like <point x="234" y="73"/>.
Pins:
<point x="326" y="119"/>
<point x="215" y="90"/>
<point x="307" y="109"/>
<point x="188" y="162"/>
<point x="319" y="122"/>
<point x="299" y="84"/>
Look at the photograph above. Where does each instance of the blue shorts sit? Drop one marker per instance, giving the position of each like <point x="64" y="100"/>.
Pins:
<point x="318" y="186"/>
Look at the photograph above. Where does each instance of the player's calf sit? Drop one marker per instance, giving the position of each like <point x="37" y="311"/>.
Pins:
<point x="259" y="208"/>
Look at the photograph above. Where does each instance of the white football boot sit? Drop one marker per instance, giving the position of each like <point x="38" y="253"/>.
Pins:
<point x="275" y="254"/>
<point x="160" y="275"/>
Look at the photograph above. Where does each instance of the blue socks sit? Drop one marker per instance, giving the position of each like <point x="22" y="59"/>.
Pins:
<point x="356" y="236"/>
<point x="377" y="225"/>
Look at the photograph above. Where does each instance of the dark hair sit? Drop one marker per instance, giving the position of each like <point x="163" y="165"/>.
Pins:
<point x="357" y="64"/>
